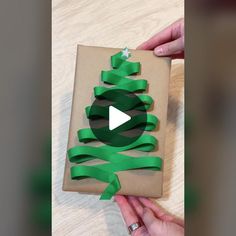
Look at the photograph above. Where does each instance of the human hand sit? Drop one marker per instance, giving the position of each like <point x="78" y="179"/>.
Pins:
<point x="154" y="221"/>
<point x="168" y="42"/>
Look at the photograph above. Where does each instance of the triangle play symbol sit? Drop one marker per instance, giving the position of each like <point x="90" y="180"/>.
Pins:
<point x="117" y="118"/>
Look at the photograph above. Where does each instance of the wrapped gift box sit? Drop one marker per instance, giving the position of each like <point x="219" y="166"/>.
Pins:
<point x="89" y="64"/>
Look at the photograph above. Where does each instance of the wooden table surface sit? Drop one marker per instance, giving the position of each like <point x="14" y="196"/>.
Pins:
<point x="113" y="23"/>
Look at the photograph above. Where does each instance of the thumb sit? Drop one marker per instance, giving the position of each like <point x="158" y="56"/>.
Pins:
<point x="152" y="223"/>
<point x="170" y="48"/>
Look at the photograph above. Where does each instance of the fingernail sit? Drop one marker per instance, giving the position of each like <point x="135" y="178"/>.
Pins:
<point x="158" y="51"/>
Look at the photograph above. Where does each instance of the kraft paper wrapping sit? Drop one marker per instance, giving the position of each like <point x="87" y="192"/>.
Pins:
<point x="89" y="64"/>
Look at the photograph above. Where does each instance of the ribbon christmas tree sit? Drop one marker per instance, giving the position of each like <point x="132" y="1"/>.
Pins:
<point x="115" y="161"/>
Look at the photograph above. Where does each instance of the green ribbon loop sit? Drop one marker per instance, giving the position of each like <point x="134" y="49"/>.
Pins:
<point x="115" y="161"/>
<point x="117" y="77"/>
<point x="124" y="103"/>
<point x="145" y="143"/>
<point x="146" y="122"/>
<point x="105" y="172"/>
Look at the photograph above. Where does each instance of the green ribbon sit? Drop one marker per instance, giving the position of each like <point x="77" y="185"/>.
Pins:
<point x="124" y="103"/>
<point x="115" y="161"/>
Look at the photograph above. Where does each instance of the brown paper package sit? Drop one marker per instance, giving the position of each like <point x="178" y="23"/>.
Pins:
<point x="89" y="64"/>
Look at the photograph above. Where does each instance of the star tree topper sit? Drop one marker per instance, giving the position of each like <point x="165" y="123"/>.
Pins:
<point x="125" y="53"/>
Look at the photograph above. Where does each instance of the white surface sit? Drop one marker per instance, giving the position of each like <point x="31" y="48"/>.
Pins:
<point x="117" y="118"/>
<point x="110" y="24"/>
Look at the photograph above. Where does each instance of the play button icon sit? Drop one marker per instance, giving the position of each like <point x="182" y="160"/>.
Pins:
<point x="117" y="118"/>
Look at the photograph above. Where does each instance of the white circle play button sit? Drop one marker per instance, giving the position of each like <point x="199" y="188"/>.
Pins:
<point x="117" y="117"/>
